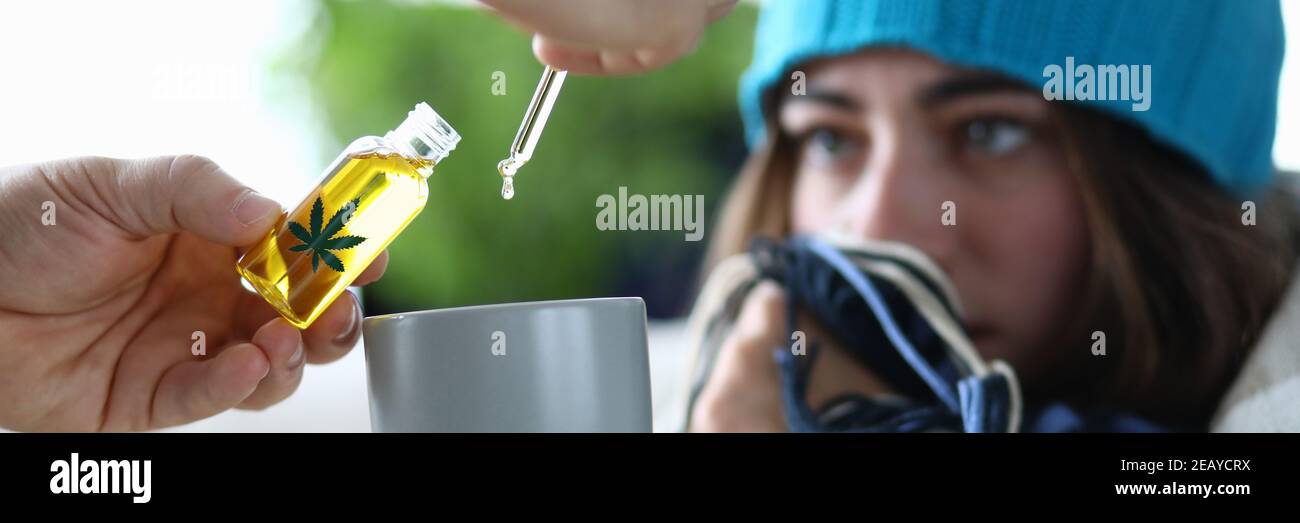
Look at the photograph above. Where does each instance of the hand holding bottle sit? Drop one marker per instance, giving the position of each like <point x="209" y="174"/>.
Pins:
<point x="102" y="309"/>
<point x="612" y="37"/>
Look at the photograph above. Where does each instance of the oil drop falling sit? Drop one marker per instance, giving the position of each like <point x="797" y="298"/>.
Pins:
<point x="507" y="168"/>
<point x="508" y="187"/>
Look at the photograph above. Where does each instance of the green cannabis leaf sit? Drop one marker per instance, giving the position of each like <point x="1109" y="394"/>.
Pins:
<point x="321" y="241"/>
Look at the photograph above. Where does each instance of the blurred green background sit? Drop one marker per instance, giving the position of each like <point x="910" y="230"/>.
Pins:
<point x="674" y="131"/>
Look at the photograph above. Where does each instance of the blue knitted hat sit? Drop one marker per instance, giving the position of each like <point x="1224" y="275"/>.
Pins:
<point x="1214" y="64"/>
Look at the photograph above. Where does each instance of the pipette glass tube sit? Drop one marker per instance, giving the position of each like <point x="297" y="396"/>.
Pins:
<point x="530" y="130"/>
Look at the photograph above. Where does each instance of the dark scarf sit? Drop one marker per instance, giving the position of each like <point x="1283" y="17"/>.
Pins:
<point x="886" y="304"/>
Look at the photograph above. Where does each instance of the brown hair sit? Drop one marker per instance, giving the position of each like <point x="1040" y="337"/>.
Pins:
<point x="1180" y="287"/>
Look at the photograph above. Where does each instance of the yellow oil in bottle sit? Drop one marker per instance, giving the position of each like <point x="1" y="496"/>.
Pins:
<point x="363" y="205"/>
<point x="365" y="199"/>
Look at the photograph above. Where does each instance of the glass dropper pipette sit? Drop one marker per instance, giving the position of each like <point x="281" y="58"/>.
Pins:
<point x="530" y="130"/>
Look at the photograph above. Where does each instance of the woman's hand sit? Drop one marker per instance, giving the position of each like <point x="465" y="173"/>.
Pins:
<point x="612" y="37"/>
<point x="743" y="393"/>
<point x="100" y="308"/>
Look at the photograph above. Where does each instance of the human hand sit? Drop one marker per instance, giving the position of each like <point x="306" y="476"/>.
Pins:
<point x="743" y="392"/>
<point x="99" y="310"/>
<point x="612" y="37"/>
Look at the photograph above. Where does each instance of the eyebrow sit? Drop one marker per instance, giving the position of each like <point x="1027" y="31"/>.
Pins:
<point x="937" y="94"/>
<point x="958" y="87"/>
<point x="823" y="97"/>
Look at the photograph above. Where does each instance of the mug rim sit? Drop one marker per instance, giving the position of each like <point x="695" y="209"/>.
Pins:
<point x="499" y="307"/>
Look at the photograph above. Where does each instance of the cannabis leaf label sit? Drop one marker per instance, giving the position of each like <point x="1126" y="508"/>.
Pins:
<point x="321" y="241"/>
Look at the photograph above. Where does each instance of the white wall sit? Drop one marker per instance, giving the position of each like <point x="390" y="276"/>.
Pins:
<point x="133" y="79"/>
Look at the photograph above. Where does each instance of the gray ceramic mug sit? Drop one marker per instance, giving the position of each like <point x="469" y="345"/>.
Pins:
<point x="551" y="366"/>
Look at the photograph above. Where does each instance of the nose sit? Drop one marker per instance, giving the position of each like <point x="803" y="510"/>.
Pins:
<point x="902" y="196"/>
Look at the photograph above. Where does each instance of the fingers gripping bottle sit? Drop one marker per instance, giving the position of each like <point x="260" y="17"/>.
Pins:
<point x="363" y="201"/>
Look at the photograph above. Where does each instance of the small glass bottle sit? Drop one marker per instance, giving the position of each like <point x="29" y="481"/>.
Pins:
<point x="362" y="202"/>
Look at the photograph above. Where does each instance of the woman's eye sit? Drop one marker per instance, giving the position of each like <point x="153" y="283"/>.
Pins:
<point x="994" y="137"/>
<point x="829" y="144"/>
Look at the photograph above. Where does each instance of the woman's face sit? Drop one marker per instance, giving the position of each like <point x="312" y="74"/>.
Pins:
<point x="885" y="138"/>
